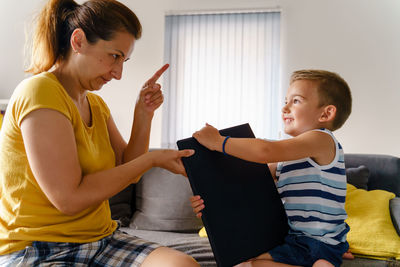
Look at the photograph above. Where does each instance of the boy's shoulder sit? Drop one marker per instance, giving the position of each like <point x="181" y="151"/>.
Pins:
<point x="316" y="135"/>
<point x="321" y="144"/>
<point x="320" y="130"/>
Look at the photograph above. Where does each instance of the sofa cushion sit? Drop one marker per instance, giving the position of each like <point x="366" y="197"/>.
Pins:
<point x="358" y="176"/>
<point x="384" y="170"/>
<point x="372" y="233"/>
<point x="162" y="203"/>
<point x="121" y="205"/>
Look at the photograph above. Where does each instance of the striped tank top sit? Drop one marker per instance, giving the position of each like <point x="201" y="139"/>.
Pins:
<point x="314" y="196"/>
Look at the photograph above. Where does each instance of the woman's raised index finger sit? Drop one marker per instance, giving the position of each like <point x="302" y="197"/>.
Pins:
<point x="158" y="74"/>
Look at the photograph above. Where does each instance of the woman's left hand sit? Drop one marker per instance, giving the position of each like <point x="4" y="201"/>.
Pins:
<point x="151" y="96"/>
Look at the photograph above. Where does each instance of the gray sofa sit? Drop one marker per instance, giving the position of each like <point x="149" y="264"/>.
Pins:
<point x="158" y="207"/>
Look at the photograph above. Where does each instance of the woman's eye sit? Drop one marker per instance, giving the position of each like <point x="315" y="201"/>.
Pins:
<point x="115" y="56"/>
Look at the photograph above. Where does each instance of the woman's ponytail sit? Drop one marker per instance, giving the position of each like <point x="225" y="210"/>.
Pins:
<point x="50" y="40"/>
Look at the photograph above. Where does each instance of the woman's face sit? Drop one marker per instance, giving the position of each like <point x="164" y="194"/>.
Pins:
<point x="103" y="61"/>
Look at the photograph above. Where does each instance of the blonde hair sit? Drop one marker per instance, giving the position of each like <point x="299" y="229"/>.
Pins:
<point x="332" y="90"/>
<point x="99" y="19"/>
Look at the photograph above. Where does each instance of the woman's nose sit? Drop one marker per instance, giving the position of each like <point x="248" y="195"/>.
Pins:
<point x="116" y="72"/>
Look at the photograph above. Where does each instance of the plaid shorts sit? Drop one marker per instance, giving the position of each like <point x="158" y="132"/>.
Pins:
<point x="118" y="249"/>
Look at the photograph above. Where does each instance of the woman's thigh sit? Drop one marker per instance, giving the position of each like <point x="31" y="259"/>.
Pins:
<point x="168" y="257"/>
<point x="119" y="249"/>
<point x="9" y="259"/>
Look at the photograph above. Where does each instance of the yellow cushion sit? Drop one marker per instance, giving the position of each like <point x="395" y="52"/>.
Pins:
<point x="372" y="233"/>
<point x="1" y="119"/>
<point x="202" y="232"/>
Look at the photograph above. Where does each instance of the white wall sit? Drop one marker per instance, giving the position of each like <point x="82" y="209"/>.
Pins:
<point x="358" y="39"/>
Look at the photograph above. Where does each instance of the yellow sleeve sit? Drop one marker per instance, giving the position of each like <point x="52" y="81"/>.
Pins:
<point x="40" y="91"/>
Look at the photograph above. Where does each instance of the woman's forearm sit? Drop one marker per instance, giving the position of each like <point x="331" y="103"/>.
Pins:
<point x="97" y="187"/>
<point x="140" y="137"/>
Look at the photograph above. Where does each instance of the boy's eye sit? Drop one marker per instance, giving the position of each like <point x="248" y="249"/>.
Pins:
<point x="296" y="101"/>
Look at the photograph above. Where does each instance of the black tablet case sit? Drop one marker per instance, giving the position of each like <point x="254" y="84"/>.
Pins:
<point x="243" y="215"/>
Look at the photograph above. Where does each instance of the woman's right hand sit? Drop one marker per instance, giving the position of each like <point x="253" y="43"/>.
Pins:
<point x="171" y="159"/>
<point x="197" y="205"/>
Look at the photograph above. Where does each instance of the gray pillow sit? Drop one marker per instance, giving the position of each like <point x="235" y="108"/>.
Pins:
<point x="162" y="203"/>
<point x="358" y="176"/>
<point x="394" y="206"/>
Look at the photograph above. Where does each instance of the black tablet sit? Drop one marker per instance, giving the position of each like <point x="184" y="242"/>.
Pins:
<point x="243" y="215"/>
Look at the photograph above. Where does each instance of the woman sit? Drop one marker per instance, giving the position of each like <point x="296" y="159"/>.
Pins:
<point x="62" y="156"/>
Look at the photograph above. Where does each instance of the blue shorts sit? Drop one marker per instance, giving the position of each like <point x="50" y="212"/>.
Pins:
<point x="305" y="251"/>
<point x="118" y="249"/>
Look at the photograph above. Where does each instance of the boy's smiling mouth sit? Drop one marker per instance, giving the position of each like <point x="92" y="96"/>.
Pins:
<point x="287" y="119"/>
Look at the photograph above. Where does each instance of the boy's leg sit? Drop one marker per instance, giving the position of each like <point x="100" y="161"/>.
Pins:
<point x="304" y="251"/>
<point x="322" y="263"/>
<point x="263" y="260"/>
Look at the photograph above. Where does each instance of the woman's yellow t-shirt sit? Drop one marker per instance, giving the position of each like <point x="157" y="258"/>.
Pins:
<point x="26" y="214"/>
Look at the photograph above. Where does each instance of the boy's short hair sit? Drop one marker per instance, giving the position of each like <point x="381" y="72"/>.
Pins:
<point x="332" y="90"/>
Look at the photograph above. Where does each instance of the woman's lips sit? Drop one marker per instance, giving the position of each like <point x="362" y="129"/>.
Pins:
<point x="105" y="80"/>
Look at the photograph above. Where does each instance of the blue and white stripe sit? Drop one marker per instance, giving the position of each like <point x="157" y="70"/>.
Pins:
<point x="314" y="196"/>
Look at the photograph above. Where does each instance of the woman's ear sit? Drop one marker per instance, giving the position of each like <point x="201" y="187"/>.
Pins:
<point x="78" y="40"/>
<point x="328" y="114"/>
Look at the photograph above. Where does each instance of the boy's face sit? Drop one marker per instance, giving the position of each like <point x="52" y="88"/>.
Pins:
<point x="302" y="110"/>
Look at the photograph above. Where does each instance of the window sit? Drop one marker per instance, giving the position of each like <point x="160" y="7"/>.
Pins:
<point x="224" y="70"/>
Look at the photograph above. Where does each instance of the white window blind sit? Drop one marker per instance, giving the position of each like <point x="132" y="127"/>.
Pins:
<point x="224" y="70"/>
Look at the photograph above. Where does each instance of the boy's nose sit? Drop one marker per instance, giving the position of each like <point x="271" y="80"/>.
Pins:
<point x="285" y="108"/>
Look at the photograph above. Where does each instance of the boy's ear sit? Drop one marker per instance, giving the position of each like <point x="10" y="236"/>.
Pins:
<point x="328" y="114"/>
<point x="78" y="40"/>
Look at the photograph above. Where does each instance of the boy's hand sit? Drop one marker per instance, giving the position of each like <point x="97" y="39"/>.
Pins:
<point x="209" y="137"/>
<point x="197" y="205"/>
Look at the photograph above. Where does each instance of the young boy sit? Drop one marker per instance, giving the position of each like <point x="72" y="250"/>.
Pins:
<point x="309" y="169"/>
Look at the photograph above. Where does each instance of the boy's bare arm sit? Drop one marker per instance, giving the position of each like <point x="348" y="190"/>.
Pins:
<point x="317" y="145"/>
